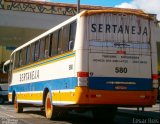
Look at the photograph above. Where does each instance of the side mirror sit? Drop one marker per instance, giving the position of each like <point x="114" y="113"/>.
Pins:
<point x="5" y="70"/>
<point x="6" y="67"/>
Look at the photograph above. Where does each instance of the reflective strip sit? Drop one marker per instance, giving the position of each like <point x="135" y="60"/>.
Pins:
<point x="62" y="102"/>
<point x="29" y="92"/>
<point x="67" y="90"/>
<point x="30" y="101"/>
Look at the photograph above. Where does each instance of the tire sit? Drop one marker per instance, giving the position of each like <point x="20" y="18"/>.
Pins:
<point x="17" y="106"/>
<point x="62" y="113"/>
<point x="50" y="110"/>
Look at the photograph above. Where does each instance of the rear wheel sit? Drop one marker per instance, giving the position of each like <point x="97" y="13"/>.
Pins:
<point x="50" y="110"/>
<point x="17" y="106"/>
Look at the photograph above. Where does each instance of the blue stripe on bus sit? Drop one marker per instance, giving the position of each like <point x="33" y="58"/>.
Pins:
<point x="57" y="84"/>
<point x="97" y="83"/>
<point x="100" y="83"/>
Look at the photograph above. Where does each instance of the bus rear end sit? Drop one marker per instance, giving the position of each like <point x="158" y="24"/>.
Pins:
<point x="121" y="58"/>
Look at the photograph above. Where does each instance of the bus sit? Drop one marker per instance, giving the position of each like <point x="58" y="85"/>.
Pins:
<point x="97" y="60"/>
<point x="4" y="82"/>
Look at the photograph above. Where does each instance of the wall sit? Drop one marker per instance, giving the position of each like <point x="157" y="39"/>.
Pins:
<point x="5" y="53"/>
<point x="37" y="7"/>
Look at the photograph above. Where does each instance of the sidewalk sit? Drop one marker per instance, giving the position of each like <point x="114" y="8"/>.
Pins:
<point x="149" y="112"/>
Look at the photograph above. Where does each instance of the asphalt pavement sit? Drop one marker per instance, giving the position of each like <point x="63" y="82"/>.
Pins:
<point x="147" y="115"/>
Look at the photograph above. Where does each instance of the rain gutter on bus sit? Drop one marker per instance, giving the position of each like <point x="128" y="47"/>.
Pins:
<point x="118" y="10"/>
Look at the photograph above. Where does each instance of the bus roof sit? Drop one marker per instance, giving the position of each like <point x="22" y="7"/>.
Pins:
<point x="119" y="10"/>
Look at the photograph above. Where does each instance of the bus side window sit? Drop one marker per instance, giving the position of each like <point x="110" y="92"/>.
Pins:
<point x="36" y="52"/>
<point x="20" y="58"/>
<point x="65" y="38"/>
<point x="72" y="35"/>
<point x="28" y="51"/>
<point x="12" y="61"/>
<point x="47" y="45"/>
<point x="32" y="52"/>
<point x="42" y="46"/>
<point x="60" y="35"/>
<point x="16" y="59"/>
<point x="24" y="56"/>
<point x="54" y="44"/>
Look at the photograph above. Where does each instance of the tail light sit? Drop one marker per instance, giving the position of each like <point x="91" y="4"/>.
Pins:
<point x="155" y="81"/>
<point x="121" y="52"/>
<point x="82" y="78"/>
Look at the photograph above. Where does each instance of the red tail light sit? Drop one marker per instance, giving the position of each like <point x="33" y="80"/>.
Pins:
<point x="82" y="74"/>
<point x="155" y="81"/>
<point x="82" y="78"/>
<point x="121" y="52"/>
<point x="155" y="76"/>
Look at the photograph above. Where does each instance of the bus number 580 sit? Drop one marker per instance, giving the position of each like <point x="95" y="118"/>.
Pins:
<point x="121" y="70"/>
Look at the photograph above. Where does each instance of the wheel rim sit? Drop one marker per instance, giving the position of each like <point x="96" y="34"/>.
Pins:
<point x="15" y="104"/>
<point x="48" y="105"/>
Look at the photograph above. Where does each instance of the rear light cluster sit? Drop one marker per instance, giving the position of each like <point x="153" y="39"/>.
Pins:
<point x="121" y="52"/>
<point x="82" y="78"/>
<point x="155" y="81"/>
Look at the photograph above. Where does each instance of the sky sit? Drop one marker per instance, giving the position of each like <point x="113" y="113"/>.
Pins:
<point x="94" y="2"/>
<point x="149" y="6"/>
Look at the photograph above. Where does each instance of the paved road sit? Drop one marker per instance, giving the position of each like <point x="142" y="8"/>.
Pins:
<point x="35" y="116"/>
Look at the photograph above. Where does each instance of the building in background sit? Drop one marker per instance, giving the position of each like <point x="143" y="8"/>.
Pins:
<point x="22" y="20"/>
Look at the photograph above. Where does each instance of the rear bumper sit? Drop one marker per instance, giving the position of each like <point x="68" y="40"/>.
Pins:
<point x="83" y="95"/>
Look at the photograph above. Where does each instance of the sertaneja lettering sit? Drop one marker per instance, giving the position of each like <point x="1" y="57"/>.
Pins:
<point x="29" y="76"/>
<point x="127" y="29"/>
